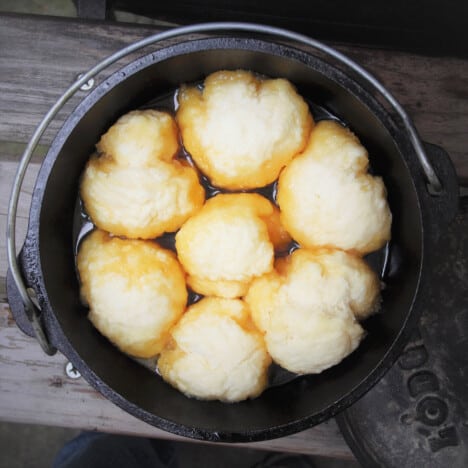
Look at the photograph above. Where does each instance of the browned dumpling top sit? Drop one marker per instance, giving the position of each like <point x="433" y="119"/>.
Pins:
<point x="241" y="130"/>
<point x="135" y="188"/>
<point x="135" y="291"/>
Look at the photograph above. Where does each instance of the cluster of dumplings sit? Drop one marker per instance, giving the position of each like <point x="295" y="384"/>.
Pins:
<point x="280" y="280"/>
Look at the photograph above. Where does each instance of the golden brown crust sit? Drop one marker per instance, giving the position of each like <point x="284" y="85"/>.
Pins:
<point x="326" y="197"/>
<point x="135" y="291"/>
<point x="228" y="242"/>
<point x="136" y="188"/>
<point x="308" y="306"/>
<point x="215" y="352"/>
<point x="242" y="130"/>
<point x="140" y="202"/>
<point x="141" y="138"/>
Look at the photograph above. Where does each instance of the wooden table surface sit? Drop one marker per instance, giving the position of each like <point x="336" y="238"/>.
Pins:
<point x="39" y="58"/>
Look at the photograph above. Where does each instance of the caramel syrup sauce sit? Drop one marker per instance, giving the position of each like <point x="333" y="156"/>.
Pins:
<point x="82" y="224"/>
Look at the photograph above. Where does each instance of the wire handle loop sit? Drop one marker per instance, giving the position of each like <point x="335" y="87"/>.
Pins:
<point x="33" y="312"/>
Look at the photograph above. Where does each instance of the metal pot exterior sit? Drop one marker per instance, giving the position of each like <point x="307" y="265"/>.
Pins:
<point x="48" y="255"/>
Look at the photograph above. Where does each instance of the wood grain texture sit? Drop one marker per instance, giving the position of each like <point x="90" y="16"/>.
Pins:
<point x="40" y="57"/>
<point x="34" y="388"/>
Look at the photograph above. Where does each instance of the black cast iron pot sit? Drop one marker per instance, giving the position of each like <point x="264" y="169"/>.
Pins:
<point x="337" y="88"/>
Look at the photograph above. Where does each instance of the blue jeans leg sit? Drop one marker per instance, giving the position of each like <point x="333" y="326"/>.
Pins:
<point x="98" y="450"/>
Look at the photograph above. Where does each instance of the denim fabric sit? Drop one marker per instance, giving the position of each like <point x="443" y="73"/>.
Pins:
<point x="97" y="450"/>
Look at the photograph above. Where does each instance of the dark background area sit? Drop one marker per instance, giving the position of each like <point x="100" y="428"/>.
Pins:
<point x="431" y="27"/>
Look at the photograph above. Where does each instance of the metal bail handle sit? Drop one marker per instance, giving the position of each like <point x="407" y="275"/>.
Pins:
<point x="39" y="330"/>
<point x="33" y="312"/>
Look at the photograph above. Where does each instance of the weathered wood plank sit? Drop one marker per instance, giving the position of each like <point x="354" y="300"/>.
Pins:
<point x="39" y="58"/>
<point x="434" y="91"/>
<point x="43" y="58"/>
<point x="35" y="71"/>
<point x="34" y="388"/>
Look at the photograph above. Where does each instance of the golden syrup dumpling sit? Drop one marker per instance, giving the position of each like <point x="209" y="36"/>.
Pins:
<point x="308" y="306"/>
<point x="135" y="291"/>
<point x="215" y="352"/>
<point x="227" y="243"/>
<point x="259" y="206"/>
<point x="241" y="130"/>
<point x="327" y="198"/>
<point x="135" y="188"/>
<point x="140" y="202"/>
<point x="338" y="281"/>
<point x="140" y="138"/>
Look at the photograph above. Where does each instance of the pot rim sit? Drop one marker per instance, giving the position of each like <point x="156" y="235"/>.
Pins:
<point x="59" y="338"/>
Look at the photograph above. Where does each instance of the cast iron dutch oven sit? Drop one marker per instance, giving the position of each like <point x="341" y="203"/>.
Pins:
<point x="422" y="195"/>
